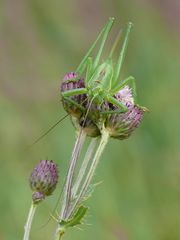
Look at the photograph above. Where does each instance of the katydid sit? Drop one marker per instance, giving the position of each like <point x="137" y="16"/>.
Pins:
<point x="101" y="79"/>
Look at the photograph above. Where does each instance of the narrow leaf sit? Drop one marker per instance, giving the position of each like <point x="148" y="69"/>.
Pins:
<point x="76" y="219"/>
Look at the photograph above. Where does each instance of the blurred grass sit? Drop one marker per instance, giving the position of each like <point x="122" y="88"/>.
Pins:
<point x="139" y="198"/>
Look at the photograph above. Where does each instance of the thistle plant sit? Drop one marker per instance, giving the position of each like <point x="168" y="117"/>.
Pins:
<point x="101" y="106"/>
<point x="43" y="181"/>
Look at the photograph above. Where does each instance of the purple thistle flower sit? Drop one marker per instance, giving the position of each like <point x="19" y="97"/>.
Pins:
<point x="119" y="125"/>
<point x="43" y="180"/>
<point x="74" y="104"/>
<point x="80" y="102"/>
<point x="122" y="125"/>
<point x="69" y="76"/>
<point x="125" y="96"/>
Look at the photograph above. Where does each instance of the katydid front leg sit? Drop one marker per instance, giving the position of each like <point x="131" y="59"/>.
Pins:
<point x="75" y="104"/>
<point x="73" y="92"/>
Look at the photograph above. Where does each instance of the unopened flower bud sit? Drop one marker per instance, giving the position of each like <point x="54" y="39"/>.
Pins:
<point x="43" y="180"/>
<point x="75" y="103"/>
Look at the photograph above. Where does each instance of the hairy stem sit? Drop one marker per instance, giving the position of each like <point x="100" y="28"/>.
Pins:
<point x="27" y="227"/>
<point x="84" y="166"/>
<point x="71" y="170"/>
<point x="91" y="171"/>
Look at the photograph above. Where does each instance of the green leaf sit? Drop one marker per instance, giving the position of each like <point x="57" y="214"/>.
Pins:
<point x="76" y="219"/>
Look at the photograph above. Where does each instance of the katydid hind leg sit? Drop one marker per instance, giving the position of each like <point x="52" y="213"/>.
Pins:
<point x="81" y="66"/>
<point x="130" y="81"/>
<point x="104" y="38"/>
<point x="122" y="53"/>
<point x="89" y="70"/>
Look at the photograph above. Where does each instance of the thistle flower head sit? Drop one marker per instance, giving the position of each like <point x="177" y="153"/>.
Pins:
<point x="71" y="82"/>
<point x="96" y="102"/>
<point x="74" y="104"/>
<point x="125" y="96"/>
<point x="43" y="180"/>
<point x="122" y="125"/>
<point x="70" y="76"/>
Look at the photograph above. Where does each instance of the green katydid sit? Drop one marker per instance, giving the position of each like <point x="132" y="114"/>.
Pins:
<point x="101" y="80"/>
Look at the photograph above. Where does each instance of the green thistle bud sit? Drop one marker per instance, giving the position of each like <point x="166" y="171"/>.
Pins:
<point x="43" y="180"/>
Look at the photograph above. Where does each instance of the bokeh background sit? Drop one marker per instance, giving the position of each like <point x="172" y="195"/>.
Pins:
<point x="40" y="41"/>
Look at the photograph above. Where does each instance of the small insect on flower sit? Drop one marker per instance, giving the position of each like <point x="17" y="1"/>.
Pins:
<point x="43" y="180"/>
<point x="89" y="97"/>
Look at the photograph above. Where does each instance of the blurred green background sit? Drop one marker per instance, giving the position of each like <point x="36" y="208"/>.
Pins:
<point x="40" y="41"/>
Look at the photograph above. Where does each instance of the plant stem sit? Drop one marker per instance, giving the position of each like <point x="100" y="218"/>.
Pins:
<point x="27" y="227"/>
<point x="71" y="170"/>
<point x="58" y="235"/>
<point x="91" y="171"/>
<point x="84" y="165"/>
